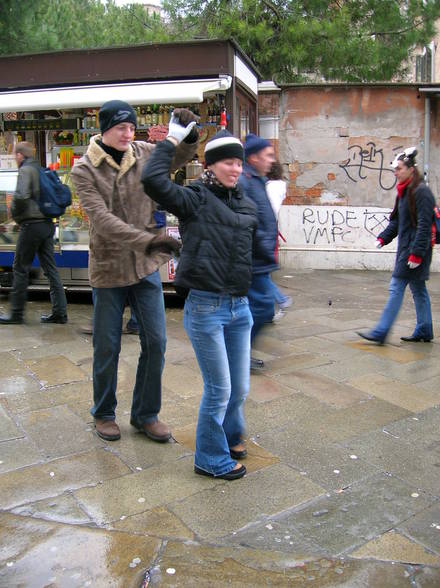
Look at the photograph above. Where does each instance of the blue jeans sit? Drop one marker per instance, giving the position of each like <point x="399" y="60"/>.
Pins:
<point x="219" y="328"/>
<point x="421" y="301"/>
<point x="146" y="298"/>
<point x="278" y="296"/>
<point x="261" y="302"/>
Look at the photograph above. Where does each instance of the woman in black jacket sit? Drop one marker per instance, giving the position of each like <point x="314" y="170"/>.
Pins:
<point x="412" y="221"/>
<point x="217" y="224"/>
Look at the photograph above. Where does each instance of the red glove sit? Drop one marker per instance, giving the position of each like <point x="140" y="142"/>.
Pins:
<point x="414" y="261"/>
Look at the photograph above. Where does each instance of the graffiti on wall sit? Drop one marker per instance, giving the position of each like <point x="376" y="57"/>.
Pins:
<point x="364" y="161"/>
<point x="322" y="225"/>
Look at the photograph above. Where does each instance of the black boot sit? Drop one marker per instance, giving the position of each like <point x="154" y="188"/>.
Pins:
<point x="13" y="319"/>
<point x="60" y="319"/>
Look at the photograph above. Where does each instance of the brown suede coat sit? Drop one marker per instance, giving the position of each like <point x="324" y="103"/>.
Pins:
<point x="120" y="213"/>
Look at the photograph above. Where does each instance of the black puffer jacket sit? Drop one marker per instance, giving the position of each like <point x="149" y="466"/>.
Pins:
<point x="413" y="240"/>
<point x="216" y="225"/>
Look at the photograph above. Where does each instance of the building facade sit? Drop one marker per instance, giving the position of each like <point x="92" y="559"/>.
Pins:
<point x="336" y="143"/>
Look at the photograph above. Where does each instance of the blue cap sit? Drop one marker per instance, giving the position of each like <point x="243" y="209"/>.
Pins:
<point x="254" y="144"/>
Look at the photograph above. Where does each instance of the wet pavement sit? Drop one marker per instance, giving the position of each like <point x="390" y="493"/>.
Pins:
<point x="343" y="483"/>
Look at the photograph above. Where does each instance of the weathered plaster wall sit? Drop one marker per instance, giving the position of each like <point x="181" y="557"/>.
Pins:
<point x="336" y="144"/>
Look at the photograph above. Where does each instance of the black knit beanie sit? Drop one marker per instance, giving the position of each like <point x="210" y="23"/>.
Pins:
<point x="114" y="112"/>
<point x="223" y="145"/>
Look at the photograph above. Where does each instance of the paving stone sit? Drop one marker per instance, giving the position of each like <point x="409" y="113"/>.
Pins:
<point x="324" y="463"/>
<point x="271" y="535"/>
<point x="28" y="400"/>
<point x="345" y="369"/>
<point x="18" y="385"/>
<point x="37" y="482"/>
<point x="321" y="346"/>
<point x="394" y="547"/>
<point x="303" y="329"/>
<point x="8" y="429"/>
<point x="417" y="466"/>
<point x="397" y="392"/>
<point x="424" y="527"/>
<point x="415" y="372"/>
<point x="190" y="564"/>
<point x="177" y="411"/>
<point x="294" y="409"/>
<point x="129" y="495"/>
<point x="271" y="342"/>
<point x="18" y="453"/>
<point x="389" y="352"/>
<point x="159" y="522"/>
<point x="295" y="361"/>
<point x="36" y="555"/>
<point x="421" y="430"/>
<point x="72" y="349"/>
<point x="264" y="388"/>
<point x="354" y="420"/>
<point x="9" y="365"/>
<point x="57" y="431"/>
<point x="346" y="520"/>
<point x="60" y="509"/>
<point x="269" y="491"/>
<point x="195" y="565"/>
<point x="17" y="337"/>
<point x="324" y="389"/>
<point x="55" y="370"/>
<point x="186" y="382"/>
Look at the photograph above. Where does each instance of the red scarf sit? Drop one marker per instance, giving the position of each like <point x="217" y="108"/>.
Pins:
<point x="401" y="187"/>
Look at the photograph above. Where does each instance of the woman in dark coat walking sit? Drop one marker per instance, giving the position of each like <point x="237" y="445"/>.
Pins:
<point x="412" y="221"/>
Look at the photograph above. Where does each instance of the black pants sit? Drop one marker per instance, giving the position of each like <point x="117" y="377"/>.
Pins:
<point x="36" y="239"/>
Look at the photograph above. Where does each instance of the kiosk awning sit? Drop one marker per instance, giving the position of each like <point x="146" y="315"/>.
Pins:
<point x="173" y="92"/>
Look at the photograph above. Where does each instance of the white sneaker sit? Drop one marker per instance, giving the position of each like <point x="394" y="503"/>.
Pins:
<point x="288" y="302"/>
<point x="278" y="315"/>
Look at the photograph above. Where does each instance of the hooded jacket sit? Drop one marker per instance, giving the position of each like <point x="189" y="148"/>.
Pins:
<point x="24" y="207"/>
<point x="121" y="221"/>
<point x="216" y="226"/>
<point x="266" y="238"/>
<point x="413" y="240"/>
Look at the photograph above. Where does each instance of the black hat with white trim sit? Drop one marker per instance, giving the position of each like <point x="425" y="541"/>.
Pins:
<point x="223" y="145"/>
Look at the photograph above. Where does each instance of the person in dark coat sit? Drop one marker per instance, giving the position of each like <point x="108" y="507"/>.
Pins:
<point x="260" y="155"/>
<point x="412" y="221"/>
<point x="35" y="238"/>
<point x="217" y="225"/>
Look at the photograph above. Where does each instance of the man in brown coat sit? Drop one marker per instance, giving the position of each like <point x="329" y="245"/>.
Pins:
<point x="126" y="251"/>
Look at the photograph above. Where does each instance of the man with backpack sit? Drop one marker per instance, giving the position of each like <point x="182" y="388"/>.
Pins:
<point x="35" y="238"/>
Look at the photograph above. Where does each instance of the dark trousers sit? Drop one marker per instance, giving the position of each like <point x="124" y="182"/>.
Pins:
<point x="36" y="239"/>
<point x="146" y="298"/>
<point x="261" y="302"/>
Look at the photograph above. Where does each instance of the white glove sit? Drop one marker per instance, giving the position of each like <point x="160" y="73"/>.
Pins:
<point x="378" y="244"/>
<point x="413" y="264"/>
<point x="177" y="131"/>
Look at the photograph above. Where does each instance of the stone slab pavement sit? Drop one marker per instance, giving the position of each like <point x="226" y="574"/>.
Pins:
<point x="343" y="483"/>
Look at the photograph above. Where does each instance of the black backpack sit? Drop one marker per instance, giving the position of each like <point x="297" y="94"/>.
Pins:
<point x="55" y="196"/>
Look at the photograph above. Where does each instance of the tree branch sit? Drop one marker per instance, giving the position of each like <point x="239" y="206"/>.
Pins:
<point x="143" y="23"/>
<point x="401" y="31"/>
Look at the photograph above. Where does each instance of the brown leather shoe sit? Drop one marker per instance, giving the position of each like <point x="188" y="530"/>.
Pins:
<point x="156" y="431"/>
<point x="107" y="430"/>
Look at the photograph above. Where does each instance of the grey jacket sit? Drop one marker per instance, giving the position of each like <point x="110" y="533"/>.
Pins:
<point x="24" y="207"/>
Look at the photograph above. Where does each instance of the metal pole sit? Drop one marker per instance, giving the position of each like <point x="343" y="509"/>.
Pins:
<point x="427" y="139"/>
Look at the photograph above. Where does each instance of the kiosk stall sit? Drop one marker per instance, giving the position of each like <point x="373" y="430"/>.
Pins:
<point x="53" y="99"/>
